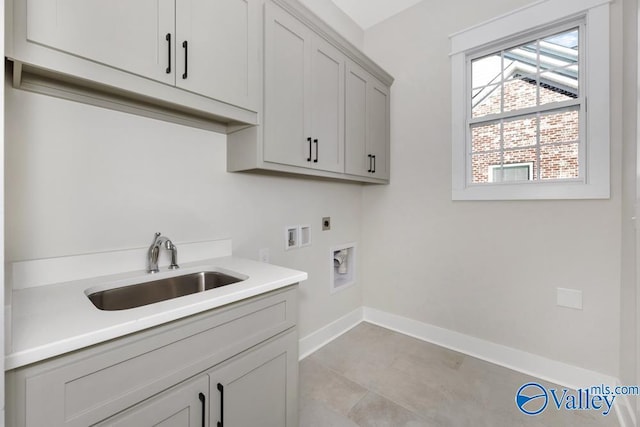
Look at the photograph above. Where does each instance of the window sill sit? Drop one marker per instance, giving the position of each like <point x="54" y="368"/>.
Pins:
<point x="532" y="191"/>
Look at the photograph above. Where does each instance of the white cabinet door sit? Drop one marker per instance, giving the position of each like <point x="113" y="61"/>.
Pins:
<point x="134" y="36"/>
<point x="287" y="89"/>
<point x="378" y="128"/>
<point x="181" y="406"/>
<point x="366" y="124"/>
<point x="257" y="388"/>
<point x="304" y="90"/>
<point x="327" y="106"/>
<point x="357" y="160"/>
<point x="218" y="49"/>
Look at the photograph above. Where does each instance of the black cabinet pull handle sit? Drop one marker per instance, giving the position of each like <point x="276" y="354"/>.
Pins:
<point x="168" y="39"/>
<point x="203" y="400"/>
<point x="221" y="389"/>
<point x="309" y="141"/>
<point x="186" y="58"/>
<point x="370" y="167"/>
<point x="315" y="141"/>
<point x="374" y="164"/>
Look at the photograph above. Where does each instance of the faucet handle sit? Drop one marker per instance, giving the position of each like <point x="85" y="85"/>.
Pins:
<point x="174" y="256"/>
<point x="155" y="238"/>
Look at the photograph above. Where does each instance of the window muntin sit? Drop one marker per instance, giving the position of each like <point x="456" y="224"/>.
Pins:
<point x="526" y="107"/>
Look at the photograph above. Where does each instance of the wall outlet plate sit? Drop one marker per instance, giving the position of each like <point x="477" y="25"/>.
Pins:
<point x="326" y="223"/>
<point x="571" y="298"/>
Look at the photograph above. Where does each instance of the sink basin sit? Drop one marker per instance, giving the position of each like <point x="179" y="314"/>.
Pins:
<point x="159" y="290"/>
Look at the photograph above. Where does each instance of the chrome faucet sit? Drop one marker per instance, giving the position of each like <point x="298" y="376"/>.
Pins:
<point x="154" y="252"/>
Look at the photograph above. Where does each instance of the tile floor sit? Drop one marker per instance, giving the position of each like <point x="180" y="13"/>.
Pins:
<point x="372" y="376"/>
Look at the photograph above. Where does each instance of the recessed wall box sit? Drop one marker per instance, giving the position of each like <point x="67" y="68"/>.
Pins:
<point x="305" y="235"/>
<point x="290" y="237"/>
<point x="342" y="267"/>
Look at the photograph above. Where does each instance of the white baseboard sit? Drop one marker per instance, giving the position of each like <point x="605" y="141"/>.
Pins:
<point x="326" y="334"/>
<point x="531" y="364"/>
<point x="518" y="360"/>
<point x="624" y="410"/>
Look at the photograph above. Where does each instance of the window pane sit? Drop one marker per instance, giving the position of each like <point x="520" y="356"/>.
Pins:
<point x="517" y="173"/>
<point x="560" y="127"/>
<point x="487" y="100"/>
<point x="485" y="138"/>
<point x="555" y="91"/>
<point x="527" y="155"/>
<point x="559" y="161"/>
<point x="521" y="60"/>
<point x="512" y="173"/>
<point x="567" y="39"/>
<point x="559" y="67"/>
<point x="521" y="132"/>
<point x="520" y="92"/>
<point x="486" y="71"/>
<point x="481" y="165"/>
<point x="486" y="78"/>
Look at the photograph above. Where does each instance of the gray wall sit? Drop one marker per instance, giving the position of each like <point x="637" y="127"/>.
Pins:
<point x="83" y="179"/>
<point x="486" y="269"/>
<point x="628" y="290"/>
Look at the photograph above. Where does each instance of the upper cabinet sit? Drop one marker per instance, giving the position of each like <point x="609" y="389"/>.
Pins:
<point x="326" y="104"/>
<point x="217" y="49"/>
<point x="367" y="124"/>
<point x="138" y="37"/>
<point x="304" y="101"/>
<point x="291" y="93"/>
<point x="204" y="53"/>
<point x="287" y="88"/>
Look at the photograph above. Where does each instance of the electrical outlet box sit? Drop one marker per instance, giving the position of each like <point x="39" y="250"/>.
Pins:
<point x="305" y="235"/>
<point x="291" y="238"/>
<point x="571" y="298"/>
<point x="326" y="223"/>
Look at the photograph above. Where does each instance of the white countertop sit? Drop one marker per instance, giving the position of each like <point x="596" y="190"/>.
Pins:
<point x="54" y="319"/>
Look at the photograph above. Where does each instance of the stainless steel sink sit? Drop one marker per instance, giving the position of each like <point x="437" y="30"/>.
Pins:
<point x="159" y="290"/>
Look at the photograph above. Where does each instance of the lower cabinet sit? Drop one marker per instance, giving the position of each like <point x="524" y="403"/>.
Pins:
<point x="235" y="366"/>
<point x="256" y="388"/>
<point x="181" y="406"/>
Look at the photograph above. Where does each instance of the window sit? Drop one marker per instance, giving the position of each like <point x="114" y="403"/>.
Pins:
<point x="510" y="172"/>
<point x="521" y="126"/>
<point x="525" y="106"/>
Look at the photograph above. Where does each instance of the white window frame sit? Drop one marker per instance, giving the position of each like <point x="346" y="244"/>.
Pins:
<point x="529" y="21"/>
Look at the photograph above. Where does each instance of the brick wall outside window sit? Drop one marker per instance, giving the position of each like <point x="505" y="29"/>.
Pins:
<point x="557" y="154"/>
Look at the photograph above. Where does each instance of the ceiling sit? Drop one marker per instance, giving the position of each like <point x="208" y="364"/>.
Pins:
<point x="367" y="13"/>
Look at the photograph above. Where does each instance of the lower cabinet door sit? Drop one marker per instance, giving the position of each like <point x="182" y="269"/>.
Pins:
<point x="258" y="387"/>
<point x="184" y="405"/>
